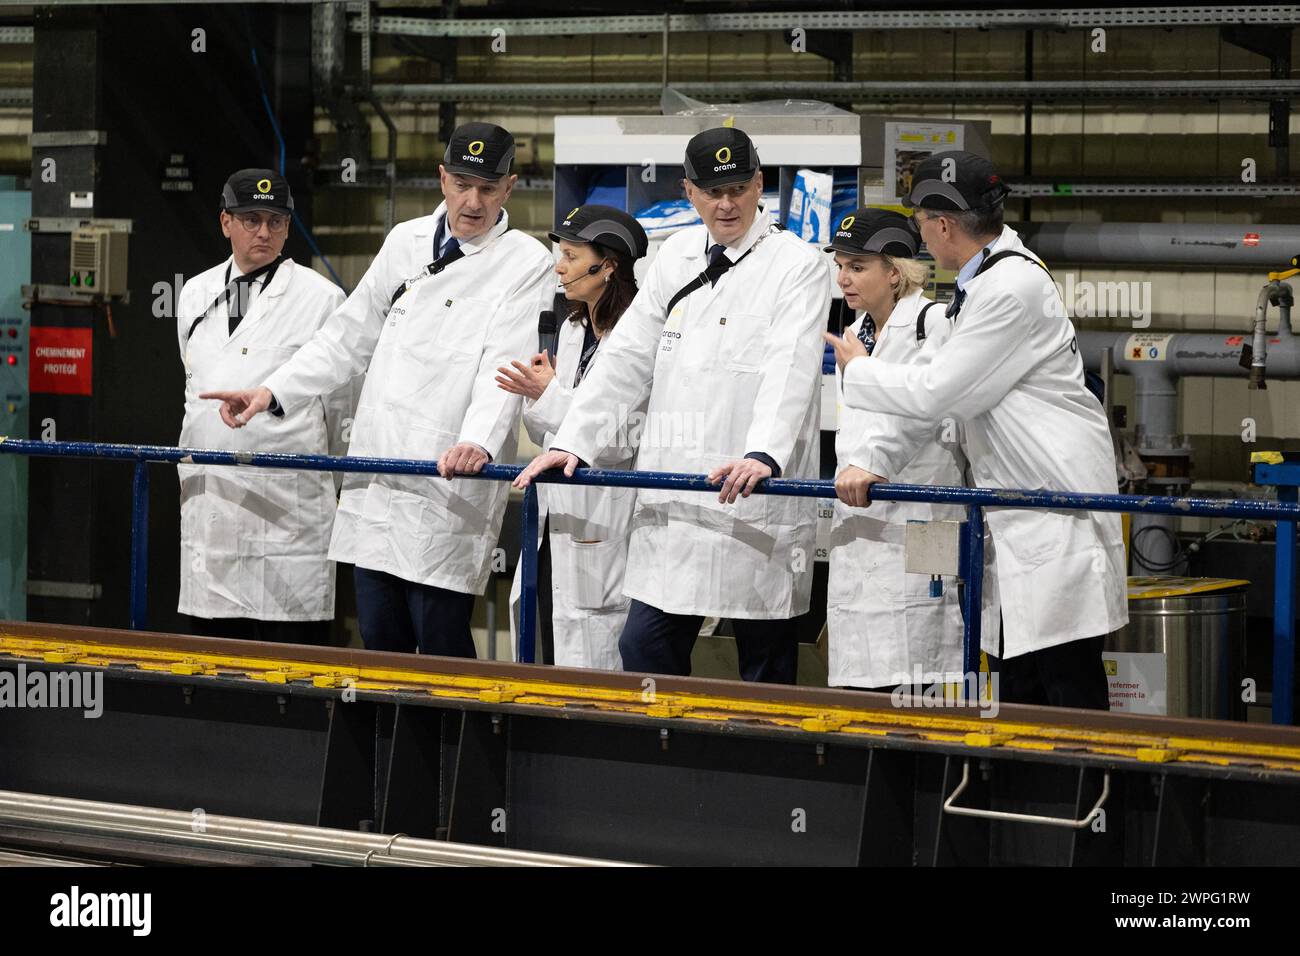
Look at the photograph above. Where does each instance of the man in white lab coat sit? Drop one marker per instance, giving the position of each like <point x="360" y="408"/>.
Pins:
<point x="725" y="337"/>
<point x="449" y="298"/>
<point x="253" y="540"/>
<point x="1011" y="372"/>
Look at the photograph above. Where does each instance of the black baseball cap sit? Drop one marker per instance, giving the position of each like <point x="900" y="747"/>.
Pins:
<point x="482" y="150"/>
<point x="603" y="224"/>
<point x="720" y="157"/>
<point x="866" y="231"/>
<point x="955" y="180"/>
<point x="252" y="189"/>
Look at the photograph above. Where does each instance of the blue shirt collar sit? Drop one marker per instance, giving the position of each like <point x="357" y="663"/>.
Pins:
<point x="967" y="271"/>
<point x="441" y="236"/>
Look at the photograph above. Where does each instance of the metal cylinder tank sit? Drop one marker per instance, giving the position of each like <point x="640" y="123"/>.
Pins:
<point x="1182" y="653"/>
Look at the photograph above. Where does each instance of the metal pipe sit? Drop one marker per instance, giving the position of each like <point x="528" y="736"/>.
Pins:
<point x="858" y="91"/>
<point x="528" y="578"/>
<point x="390" y="169"/>
<point x="1107" y="372"/>
<point x="973" y="596"/>
<point x="1259" y="341"/>
<point x="283" y="840"/>
<point x="1187" y="353"/>
<point x="789" y="487"/>
<point x="899" y="18"/>
<point x="140" y="547"/>
<point x="1284" y="610"/>
<point x="1162" y="243"/>
<point x="1156" y="361"/>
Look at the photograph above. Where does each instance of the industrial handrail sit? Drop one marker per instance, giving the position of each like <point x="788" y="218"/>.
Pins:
<point x="1285" y="513"/>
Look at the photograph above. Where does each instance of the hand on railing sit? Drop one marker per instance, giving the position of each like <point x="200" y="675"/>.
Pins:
<point x="545" y="462"/>
<point x="741" y="477"/>
<point x="465" y="458"/>
<point x="853" y="486"/>
<point x="239" y="407"/>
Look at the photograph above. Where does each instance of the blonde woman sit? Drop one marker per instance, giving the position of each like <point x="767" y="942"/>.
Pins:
<point x="885" y="628"/>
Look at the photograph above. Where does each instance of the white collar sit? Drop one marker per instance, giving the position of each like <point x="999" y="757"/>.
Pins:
<point x="478" y="243"/>
<point x="757" y="229"/>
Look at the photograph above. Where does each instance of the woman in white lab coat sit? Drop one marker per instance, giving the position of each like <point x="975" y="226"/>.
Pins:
<point x="885" y="629"/>
<point x="586" y="527"/>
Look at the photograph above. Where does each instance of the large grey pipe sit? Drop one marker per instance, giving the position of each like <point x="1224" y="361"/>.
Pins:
<point x="1156" y="360"/>
<point x="1253" y="246"/>
<point x="283" y="841"/>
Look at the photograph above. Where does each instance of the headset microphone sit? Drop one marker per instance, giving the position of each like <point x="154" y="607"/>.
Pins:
<point x="590" y="272"/>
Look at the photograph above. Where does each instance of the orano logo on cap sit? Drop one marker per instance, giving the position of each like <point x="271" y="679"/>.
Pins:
<point x="572" y="212"/>
<point x="476" y="147"/>
<point x="723" y="156"/>
<point x="846" y="222"/>
<point x="264" y="185"/>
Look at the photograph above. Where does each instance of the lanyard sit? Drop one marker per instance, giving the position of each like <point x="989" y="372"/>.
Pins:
<point x="232" y="286"/>
<point x="434" y="267"/>
<point x="589" y="345"/>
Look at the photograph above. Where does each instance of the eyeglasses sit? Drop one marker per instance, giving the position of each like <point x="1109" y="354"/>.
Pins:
<point x="252" y="222"/>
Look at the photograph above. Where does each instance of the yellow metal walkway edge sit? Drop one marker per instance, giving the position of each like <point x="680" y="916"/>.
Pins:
<point x="915" y="722"/>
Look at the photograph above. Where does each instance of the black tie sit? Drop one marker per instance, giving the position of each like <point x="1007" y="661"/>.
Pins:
<point x="717" y="252"/>
<point x="867" y="332"/>
<point x="237" y="301"/>
<point x="450" y="253"/>
<point x="955" y="305"/>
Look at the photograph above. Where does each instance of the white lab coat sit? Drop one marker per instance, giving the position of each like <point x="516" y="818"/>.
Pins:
<point x="254" y="540"/>
<point x="734" y="369"/>
<point x="431" y="383"/>
<point x="883" y="625"/>
<point x="1012" y="373"/>
<point x="588" y="530"/>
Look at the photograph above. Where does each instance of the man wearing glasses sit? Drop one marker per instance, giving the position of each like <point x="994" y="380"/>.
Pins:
<point x="254" y="541"/>
<point x="450" y="298"/>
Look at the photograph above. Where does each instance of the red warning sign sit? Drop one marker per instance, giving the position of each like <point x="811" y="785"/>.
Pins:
<point x="1250" y="239"/>
<point x="61" y="361"/>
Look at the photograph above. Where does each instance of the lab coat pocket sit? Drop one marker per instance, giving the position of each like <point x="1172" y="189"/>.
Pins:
<point x="274" y="504"/>
<point x="595" y="573"/>
<point x="436" y="328"/>
<point x="257" y="361"/>
<point x="1033" y="538"/>
<point x="844" y="580"/>
<point x="744" y="339"/>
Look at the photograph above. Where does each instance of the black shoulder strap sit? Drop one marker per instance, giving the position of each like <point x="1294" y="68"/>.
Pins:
<point x="920" y="321"/>
<point x="710" y="275"/>
<point x="1008" y="254"/>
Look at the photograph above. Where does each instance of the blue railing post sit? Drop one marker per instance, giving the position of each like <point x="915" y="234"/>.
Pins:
<point x="528" y="579"/>
<point x="140" y="547"/>
<point x="1284" y="613"/>
<point x="973" y="597"/>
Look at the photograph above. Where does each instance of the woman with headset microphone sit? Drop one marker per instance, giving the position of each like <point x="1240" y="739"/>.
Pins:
<point x="581" y="609"/>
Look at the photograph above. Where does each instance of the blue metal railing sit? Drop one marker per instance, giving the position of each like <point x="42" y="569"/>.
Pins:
<point x="1286" y="513"/>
